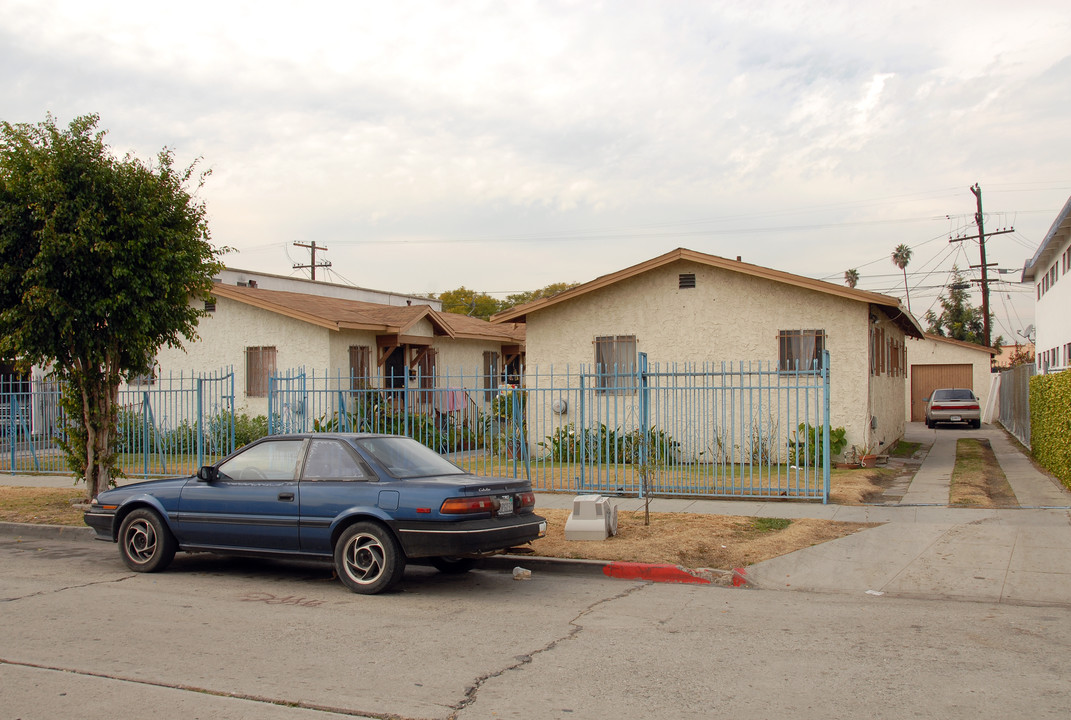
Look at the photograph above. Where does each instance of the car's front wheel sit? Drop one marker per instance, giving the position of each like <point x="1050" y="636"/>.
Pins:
<point x="145" y="543"/>
<point x="453" y="565"/>
<point x="368" y="558"/>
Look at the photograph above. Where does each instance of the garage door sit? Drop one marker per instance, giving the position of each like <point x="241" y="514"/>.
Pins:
<point x="927" y="378"/>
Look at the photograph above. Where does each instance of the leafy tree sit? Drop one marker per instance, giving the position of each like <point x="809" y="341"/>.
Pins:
<point x="959" y="319"/>
<point x="99" y="259"/>
<point x="851" y="277"/>
<point x="901" y="257"/>
<point x="530" y="295"/>
<point x="479" y="304"/>
<point x="1020" y="355"/>
<point x="469" y="302"/>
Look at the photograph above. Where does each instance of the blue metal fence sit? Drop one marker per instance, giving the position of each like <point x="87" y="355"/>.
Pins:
<point x="712" y="430"/>
<point x="167" y="426"/>
<point x="745" y="430"/>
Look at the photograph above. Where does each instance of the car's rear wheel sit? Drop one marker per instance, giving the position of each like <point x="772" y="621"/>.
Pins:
<point x="976" y="424"/>
<point x="145" y="543"/>
<point x="453" y="565"/>
<point x="368" y="558"/>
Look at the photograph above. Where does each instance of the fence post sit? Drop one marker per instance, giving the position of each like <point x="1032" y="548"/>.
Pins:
<point x="580" y="433"/>
<point x="645" y="410"/>
<point x="200" y="423"/>
<point x="825" y="427"/>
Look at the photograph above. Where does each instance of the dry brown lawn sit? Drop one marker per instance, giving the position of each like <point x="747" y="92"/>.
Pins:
<point x="689" y="539"/>
<point x="692" y="540"/>
<point x="45" y="506"/>
<point x="977" y="480"/>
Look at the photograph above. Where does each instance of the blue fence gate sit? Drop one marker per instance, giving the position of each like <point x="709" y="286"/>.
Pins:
<point x="747" y="430"/>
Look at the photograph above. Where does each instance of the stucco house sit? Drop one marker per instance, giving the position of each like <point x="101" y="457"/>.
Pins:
<point x="1048" y="271"/>
<point x="687" y="306"/>
<point x="259" y="332"/>
<point x="940" y="362"/>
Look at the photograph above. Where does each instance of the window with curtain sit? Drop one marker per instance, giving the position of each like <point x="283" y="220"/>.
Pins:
<point x="615" y="364"/>
<point x="800" y="350"/>
<point x="490" y="373"/>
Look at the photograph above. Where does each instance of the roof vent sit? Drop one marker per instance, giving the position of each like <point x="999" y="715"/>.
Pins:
<point x="687" y="281"/>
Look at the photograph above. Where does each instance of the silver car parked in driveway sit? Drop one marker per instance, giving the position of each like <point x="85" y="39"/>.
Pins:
<point x="953" y="405"/>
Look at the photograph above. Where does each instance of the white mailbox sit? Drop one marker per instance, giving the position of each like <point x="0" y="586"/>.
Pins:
<point x="593" y="518"/>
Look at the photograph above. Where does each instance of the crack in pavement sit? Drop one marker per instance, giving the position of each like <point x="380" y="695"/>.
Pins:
<point x="474" y="689"/>
<point x="41" y="593"/>
<point x="205" y="691"/>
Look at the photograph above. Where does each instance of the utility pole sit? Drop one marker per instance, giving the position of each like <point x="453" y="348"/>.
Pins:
<point x="976" y="190"/>
<point x="312" y="250"/>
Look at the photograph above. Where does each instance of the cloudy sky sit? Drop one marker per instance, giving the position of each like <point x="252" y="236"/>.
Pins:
<point x="507" y="145"/>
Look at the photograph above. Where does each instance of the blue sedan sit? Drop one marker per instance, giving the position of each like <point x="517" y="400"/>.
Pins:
<point x="367" y="503"/>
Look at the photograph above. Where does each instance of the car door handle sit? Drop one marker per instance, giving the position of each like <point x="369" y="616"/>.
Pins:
<point x="286" y="496"/>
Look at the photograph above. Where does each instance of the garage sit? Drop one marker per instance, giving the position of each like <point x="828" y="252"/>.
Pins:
<point x="927" y="378"/>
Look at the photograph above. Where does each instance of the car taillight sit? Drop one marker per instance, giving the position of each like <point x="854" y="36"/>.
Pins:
<point x="526" y="499"/>
<point x="467" y="505"/>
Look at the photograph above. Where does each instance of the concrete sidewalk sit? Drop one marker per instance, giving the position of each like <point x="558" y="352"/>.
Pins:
<point x="923" y="548"/>
<point x="926" y="549"/>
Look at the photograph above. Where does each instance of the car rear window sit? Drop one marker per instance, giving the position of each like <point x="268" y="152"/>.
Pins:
<point x="953" y="395"/>
<point x="403" y="457"/>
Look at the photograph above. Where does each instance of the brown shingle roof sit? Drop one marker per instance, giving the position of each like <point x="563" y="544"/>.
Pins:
<point x="341" y="314"/>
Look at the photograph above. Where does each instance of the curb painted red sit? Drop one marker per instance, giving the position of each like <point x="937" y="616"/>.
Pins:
<point x="652" y="572"/>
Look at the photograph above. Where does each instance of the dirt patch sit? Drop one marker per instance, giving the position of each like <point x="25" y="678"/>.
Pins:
<point x="977" y="480"/>
<point x="45" y="506"/>
<point x="859" y="486"/>
<point x="691" y="539"/>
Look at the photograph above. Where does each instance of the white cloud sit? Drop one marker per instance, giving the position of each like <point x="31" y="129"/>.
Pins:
<point x="522" y="143"/>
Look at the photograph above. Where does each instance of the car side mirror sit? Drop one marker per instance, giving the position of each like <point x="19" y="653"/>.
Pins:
<point x="208" y="473"/>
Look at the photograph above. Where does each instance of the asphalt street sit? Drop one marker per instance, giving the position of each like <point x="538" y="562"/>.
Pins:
<point x="936" y="612"/>
<point x="226" y="638"/>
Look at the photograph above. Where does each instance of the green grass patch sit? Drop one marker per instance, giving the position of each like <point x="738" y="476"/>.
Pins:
<point x="764" y="524"/>
<point x="904" y="449"/>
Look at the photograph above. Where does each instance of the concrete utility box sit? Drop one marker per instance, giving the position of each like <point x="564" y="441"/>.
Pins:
<point x="593" y="518"/>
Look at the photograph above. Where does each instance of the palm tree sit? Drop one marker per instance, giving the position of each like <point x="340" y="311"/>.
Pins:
<point x="901" y="257"/>
<point x="851" y="277"/>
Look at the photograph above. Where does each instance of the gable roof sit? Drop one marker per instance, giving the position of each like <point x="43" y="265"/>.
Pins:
<point x="340" y="314"/>
<point x="890" y="305"/>
<point x="961" y="343"/>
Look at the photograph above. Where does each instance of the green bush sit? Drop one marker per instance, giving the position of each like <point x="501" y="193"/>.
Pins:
<point x="247" y="429"/>
<point x="602" y="444"/>
<point x="805" y="447"/>
<point x="1050" y="423"/>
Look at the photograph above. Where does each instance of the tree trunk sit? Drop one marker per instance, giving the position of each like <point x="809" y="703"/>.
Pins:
<point x="99" y="389"/>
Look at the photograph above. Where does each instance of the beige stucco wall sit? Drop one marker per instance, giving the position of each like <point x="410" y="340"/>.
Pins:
<point x="886" y="407"/>
<point x="225" y="334"/>
<point x="940" y="352"/>
<point x="728" y="317"/>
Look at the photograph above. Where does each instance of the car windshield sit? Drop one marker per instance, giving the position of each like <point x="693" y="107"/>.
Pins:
<point x="953" y="395"/>
<point x="404" y="457"/>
